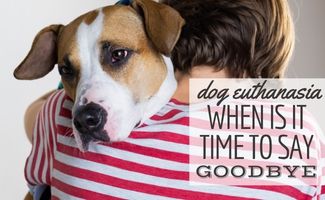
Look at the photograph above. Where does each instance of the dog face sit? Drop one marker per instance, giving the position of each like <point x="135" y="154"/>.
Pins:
<point x="111" y="64"/>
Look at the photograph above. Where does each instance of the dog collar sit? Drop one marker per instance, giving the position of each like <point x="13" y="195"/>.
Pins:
<point x="60" y="86"/>
<point x="124" y="2"/>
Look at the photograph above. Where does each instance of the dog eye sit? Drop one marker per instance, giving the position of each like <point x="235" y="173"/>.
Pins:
<point x="114" y="56"/>
<point x="66" y="71"/>
<point x="119" y="55"/>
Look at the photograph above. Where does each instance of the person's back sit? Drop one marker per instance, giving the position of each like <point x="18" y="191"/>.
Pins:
<point x="239" y="39"/>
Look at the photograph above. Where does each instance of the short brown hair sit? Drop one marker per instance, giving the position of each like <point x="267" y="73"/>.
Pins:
<point x="246" y="37"/>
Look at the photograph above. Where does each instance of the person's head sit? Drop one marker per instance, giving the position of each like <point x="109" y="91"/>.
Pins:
<point x="251" y="38"/>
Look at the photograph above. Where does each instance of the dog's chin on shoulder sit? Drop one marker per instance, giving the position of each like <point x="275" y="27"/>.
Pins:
<point x="84" y="141"/>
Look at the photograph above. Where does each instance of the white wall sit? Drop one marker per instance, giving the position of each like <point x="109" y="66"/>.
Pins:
<point x="309" y="55"/>
<point x="21" y="20"/>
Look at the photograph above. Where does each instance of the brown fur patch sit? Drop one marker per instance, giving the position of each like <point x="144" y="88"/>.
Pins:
<point x="67" y="46"/>
<point x="145" y="70"/>
<point x="90" y="17"/>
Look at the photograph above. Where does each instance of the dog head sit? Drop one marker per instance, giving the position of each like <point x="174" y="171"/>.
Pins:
<point x="112" y="64"/>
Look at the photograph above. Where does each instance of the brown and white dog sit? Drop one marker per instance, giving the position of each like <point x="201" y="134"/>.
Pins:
<point x="112" y="64"/>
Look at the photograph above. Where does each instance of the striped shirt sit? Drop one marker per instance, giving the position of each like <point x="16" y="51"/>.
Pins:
<point x="153" y="163"/>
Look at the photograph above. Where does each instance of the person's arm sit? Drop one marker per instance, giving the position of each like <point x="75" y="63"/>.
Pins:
<point x="31" y="114"/>
<point x="41" y="127"/>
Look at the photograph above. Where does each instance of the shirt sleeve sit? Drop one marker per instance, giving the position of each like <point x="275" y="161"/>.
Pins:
<point x="40" y="161"/>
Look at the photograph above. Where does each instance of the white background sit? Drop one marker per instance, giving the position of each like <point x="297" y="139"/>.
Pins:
<point x="21" y="20"/>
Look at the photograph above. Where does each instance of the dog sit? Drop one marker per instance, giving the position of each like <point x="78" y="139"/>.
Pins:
<point x="113" y="64"/>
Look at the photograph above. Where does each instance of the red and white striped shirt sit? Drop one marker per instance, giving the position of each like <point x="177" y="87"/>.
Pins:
<point x="153" y="163"/>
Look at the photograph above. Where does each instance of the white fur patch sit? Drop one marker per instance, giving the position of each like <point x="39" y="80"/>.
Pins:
<point x="164" y="93"/>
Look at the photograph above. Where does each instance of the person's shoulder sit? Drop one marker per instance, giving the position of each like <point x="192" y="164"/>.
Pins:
<point x="56" y="99"/>
<point x="58" y="104"/>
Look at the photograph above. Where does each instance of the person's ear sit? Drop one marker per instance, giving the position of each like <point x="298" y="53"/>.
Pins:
<point x="42" y="57"/>
<point x="162" y="23"/>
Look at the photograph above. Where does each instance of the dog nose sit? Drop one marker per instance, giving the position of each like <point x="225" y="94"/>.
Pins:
<point x="90" y="118"/>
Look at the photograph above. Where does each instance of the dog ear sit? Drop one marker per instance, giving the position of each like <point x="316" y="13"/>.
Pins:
<point x="42" y="57"/>
<point x="163" y="24"/>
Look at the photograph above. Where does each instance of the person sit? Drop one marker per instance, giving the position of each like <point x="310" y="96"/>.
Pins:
<point x="221" y="39"/>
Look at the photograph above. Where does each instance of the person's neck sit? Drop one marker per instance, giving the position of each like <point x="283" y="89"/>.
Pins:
<point x="182" y="92"/>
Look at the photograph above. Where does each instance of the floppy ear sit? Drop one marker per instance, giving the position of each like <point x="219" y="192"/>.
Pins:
<point x="42" y="57"/>
<point x="163" y="24"/>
